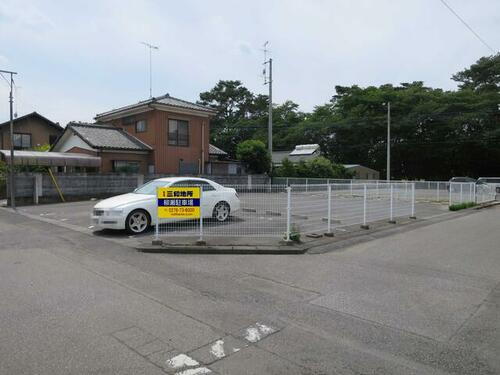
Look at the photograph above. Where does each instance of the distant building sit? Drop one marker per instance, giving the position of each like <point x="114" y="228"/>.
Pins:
<point x="311" y="151"/>
<point x="362" y="173"/>
<point x="31" y="130"/>
<point x="220" y="165"/>
<point x="300" y="152"/>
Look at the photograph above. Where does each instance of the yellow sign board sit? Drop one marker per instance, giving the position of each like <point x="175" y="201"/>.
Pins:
<point x="179" y="202"/>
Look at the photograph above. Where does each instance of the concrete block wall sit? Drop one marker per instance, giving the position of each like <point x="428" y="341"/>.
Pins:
<point x="40" y="188"/>
<point x="89" y="185"/>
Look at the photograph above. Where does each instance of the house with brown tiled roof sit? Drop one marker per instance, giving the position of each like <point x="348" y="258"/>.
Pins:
<point x="30" y="131"/>
<point x="177" y="131"/>
<point x="118" y="150"/>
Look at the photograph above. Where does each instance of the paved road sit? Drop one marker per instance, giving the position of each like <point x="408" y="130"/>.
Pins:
<point x="425" y="301"/>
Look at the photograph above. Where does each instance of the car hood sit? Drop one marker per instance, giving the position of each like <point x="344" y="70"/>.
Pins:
<point x="123" y="200"/>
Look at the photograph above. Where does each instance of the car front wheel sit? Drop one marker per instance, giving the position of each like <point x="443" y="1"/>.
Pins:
<point x="221" y="211"/>
<point x="137" y="222"/>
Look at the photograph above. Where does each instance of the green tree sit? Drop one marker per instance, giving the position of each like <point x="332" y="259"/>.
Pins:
<point x="239" y="116"/>
<point x="483" y="75"/>
<point x="435" y="134"/>
<point x="254" y="156"/>
<point x="230" y="99"/>
<point x="319" y="167"/>
<point x="287" y="169"/>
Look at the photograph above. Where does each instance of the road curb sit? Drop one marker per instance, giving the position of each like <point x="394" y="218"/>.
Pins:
<point x="234" y="250"/>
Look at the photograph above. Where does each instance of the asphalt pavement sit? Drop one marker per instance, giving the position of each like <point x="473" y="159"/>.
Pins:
<point x="422" y="301"/>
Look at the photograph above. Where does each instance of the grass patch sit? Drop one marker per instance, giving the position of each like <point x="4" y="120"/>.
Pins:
<point x="461" y="206"/>
<point x="294" y="233"/>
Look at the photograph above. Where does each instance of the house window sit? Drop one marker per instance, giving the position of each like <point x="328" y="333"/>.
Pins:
<point x="141" y="126"/>
<point x="22" y="141"/>
<point x="128" y="120"/>
<point x="125" y="166"/>
<point x="52" y="139"/>
<point x="178" y="133"/>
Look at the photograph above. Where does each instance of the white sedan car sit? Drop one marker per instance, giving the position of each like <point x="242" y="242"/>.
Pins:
<point x="136" y="211"/>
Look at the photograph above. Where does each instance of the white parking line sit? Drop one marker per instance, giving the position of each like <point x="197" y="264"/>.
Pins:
<point x="195" y="371"/>
<point x="257" y="332"/>
<point x="217" y="349"/>
<point x="181" y="360"/>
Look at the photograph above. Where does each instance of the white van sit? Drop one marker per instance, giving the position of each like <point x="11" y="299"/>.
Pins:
<point x="494" y="181"/>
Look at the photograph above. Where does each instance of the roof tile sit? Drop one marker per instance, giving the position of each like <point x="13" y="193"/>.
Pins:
<point x="108" y="137"/>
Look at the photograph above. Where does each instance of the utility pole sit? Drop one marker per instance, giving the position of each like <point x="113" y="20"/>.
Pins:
<point x="151" y="47"/>
<point x="11" y="164"/>
<point x="388" y="141"/>
<point x="268" y="79"/>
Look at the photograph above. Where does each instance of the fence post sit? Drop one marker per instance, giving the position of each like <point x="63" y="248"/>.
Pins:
<point x="288" y="212"/>
<point x="413" y="202"/>
<point x="329" y="232"/>
<point x="461" y="192"/>
<point x="364" y="226"/>
<point x="307" y="183"/>
<point x="38" y="186"/>
<point x="200" y="241"/>
<point x="157" y="240"/>
<point x="438" y="191"/>
<point x="450" y="187"/>
<point x="351" y="187"/>
<point x="391" y="215"/>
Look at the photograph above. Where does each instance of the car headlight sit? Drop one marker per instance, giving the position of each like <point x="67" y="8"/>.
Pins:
<point x="113" y="212"/>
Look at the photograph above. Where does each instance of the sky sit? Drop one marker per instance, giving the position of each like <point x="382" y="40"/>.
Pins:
<point x="78" y="58"/>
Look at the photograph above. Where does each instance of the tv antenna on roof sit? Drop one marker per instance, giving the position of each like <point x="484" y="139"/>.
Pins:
<point x="151" y="47"/>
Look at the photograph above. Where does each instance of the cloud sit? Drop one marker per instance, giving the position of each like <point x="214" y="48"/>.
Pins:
<point x="75" y="60"/>
<point x="245" y="48"/>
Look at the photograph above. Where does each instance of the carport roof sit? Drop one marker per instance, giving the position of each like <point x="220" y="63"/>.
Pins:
<point x="51" y="159"/>
<point x="214" y="150"/>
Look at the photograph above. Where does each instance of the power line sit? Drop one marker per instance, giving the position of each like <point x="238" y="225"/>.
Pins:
<point x="467" y="26"/>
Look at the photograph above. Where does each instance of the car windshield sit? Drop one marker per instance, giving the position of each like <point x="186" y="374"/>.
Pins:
<point x="490" y="180"/>
<point x="150" y="187"/>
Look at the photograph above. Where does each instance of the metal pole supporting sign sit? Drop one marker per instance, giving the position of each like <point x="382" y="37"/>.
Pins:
<point x="200" y="241"/>
<point x="157" y="240"/>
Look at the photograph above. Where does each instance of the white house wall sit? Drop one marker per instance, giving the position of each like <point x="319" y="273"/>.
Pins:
<point x="68" y="141"/>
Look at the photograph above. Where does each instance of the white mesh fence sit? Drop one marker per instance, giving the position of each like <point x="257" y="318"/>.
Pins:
<point x="256" y="210"/>
<point x="278" y="210"/>
<point x="425" y="191"/>
<point x="486" y="193"/>
<point x="461" y="192"/>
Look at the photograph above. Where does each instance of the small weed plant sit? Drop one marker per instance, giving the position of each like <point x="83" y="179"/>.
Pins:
<point x="461" y="206"/>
